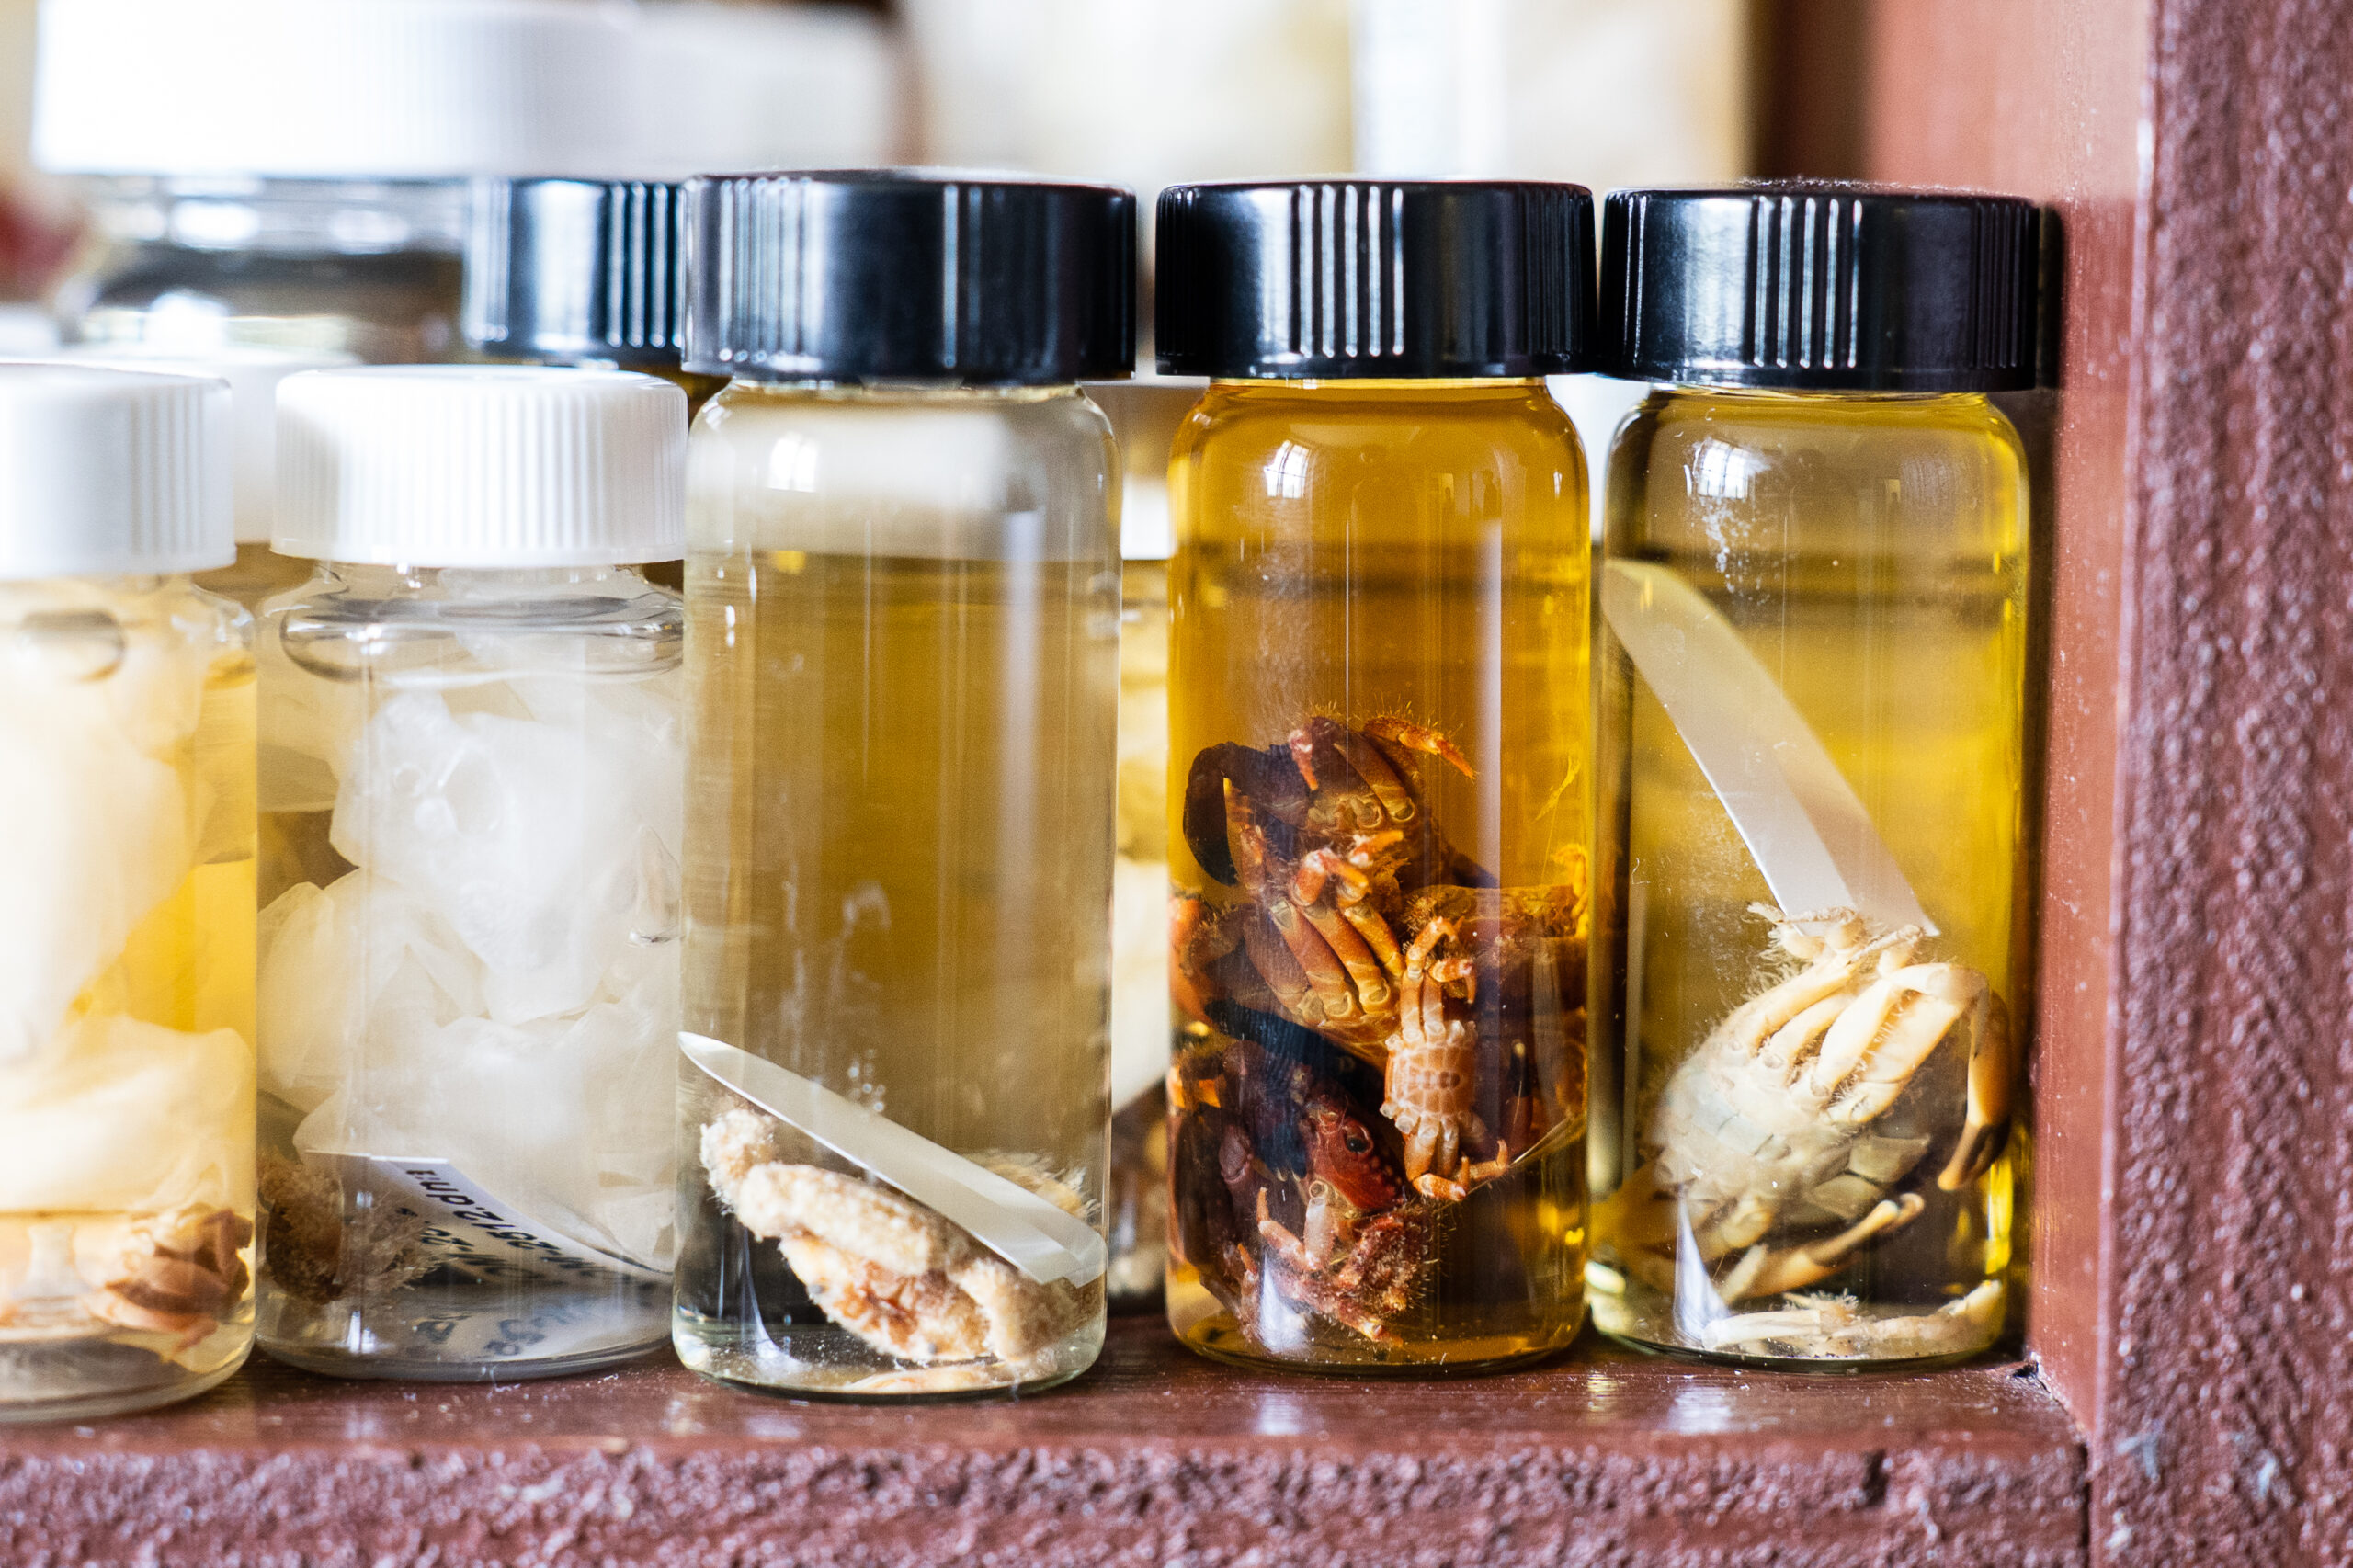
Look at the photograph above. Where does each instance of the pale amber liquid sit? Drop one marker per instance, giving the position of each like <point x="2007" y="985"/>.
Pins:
<point x="187" y="966"/>
<point x="1415" y="549"/>
<point x="260" y="572"/>
<point x="899" y="808"/>
<point x="1876" y="565"/>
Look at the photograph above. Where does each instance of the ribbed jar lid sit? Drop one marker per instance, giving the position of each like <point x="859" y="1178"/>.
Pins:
<point x="367" y="89"/>
<point x="864" y="275"/>
<point x="252" y="374"/>
<point x="1810" y="285"/>
<point x="576" y="269"/>
<point x="107" y="473"/>
<point x="1415" y="279"/>
<point x="485" y="466"/>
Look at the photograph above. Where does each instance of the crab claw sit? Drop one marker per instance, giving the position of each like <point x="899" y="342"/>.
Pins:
<point x="1991" y="1073"/>
<point x="1267" y="776"/>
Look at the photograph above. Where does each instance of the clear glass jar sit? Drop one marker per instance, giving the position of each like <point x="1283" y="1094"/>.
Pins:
<point x="472" y="767"/>
<point x="471" y="817"/>
<point x="126" y="994"/>
<point x="364" y="267"/>
<point x="1806" y="1157"/>
<point x="904" y="621"/>
<point x="1378" y="843"/>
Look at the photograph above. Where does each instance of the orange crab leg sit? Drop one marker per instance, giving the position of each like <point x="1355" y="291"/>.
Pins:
<point x="1420" y="738"/>
<point x="1281" y="972"/>
<point x="1306" y="890"/>
<point x="1336" y="761"/>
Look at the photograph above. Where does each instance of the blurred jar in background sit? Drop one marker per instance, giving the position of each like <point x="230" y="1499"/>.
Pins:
<point x="253" y="375"/>
<point x="1144" y="415"/>
<point x="280" y="173"/>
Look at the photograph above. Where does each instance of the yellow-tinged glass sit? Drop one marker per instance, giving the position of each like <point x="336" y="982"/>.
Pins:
<point x="126" y="995"/>
<point x="1370" y="552"/>
<point x="1870" y="552"/>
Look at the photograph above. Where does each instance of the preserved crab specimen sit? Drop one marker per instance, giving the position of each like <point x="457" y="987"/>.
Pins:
<point x="1376" y="1033"/>
<point x="1797" y="1136"/>
<point x="907" y="1281"/>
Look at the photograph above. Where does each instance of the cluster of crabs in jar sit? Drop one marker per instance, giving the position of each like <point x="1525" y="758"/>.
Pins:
<point x="1370" y="1030"/>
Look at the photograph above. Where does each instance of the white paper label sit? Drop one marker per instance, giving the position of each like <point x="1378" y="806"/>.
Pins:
<point x="470" y="1228"/>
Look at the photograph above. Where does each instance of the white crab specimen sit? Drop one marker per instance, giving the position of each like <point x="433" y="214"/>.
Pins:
<point x="1763" y="1146"/>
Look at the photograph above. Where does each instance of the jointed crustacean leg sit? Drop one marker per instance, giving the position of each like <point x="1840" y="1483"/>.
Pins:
<point x="1432" y="1074"/>
<point x="1362" y="1284"/>
<point x="1832" y="1327"/>
<point x="1267" y="884"/>
<point x="1318" y="869"/>
<point x="1992" y="1074"/>
<point x="1770" y="1271"/>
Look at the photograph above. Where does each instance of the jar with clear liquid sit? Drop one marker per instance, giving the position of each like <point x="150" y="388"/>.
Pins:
<point x="1812" y="957"/>
<point x="126" y="953"/>
<point x="902" y="591"/>
<point x="1379" y="831"/>
<point x="471" y="764"/>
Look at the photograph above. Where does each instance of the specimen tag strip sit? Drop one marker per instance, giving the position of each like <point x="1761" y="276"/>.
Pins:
<point x="1022" y="1228"/>
<point x="468" y="1226"/>
<point x="1808" y="833"/>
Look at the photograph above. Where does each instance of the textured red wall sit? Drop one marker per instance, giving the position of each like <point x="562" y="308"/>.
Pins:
<point x="2044" y="99"/>
<point x="2197" y="982"/>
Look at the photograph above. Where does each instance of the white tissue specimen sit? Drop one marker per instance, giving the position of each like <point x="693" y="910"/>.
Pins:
<point x="100" y="820"/>
<point x="102" y="1113"/>
<point x="497" y="983"/>
<point x="128" y="1117"/>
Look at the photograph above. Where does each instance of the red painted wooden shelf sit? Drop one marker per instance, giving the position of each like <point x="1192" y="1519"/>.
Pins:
<point x="1155" y="1457"/>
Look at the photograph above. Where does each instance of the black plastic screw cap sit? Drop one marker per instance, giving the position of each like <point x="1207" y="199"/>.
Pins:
<point x="576" y="269"/>
<point x="862" y="275"/>
<point x="1829" y="287"/>
<point x="1415" y="279"/>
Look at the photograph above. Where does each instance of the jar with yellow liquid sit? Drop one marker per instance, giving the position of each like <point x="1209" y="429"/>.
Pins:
<point x="1378" y="772"/>
<point x="1811" y="959"/>
<point x="127" y="939"/>
<point x="902" y="593"/>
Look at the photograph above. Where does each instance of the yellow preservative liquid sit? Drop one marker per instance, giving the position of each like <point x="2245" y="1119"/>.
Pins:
<point x="1364" y="550"/>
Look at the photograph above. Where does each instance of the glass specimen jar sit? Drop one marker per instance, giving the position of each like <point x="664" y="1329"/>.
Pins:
<point x="1810" y="955"/>
<point x="1145" y="414"/>
<point x="903" y="594"/>
<point x="253" y="375"/>
<point x="1378" y="828"/>
<point x="291" y="176"/>
<point x="126" y="947"/>
<point x="470" y="766"/>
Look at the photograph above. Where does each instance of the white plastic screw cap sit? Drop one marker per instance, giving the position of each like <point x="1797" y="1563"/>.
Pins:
<point x="483" y="466"/>
<point x="108" y="472"/>
<point x="253" y="375"/>
<point x="324" y="89"/>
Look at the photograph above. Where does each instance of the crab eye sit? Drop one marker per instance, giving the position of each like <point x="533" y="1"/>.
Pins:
<point x="1357" y="1143"/>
